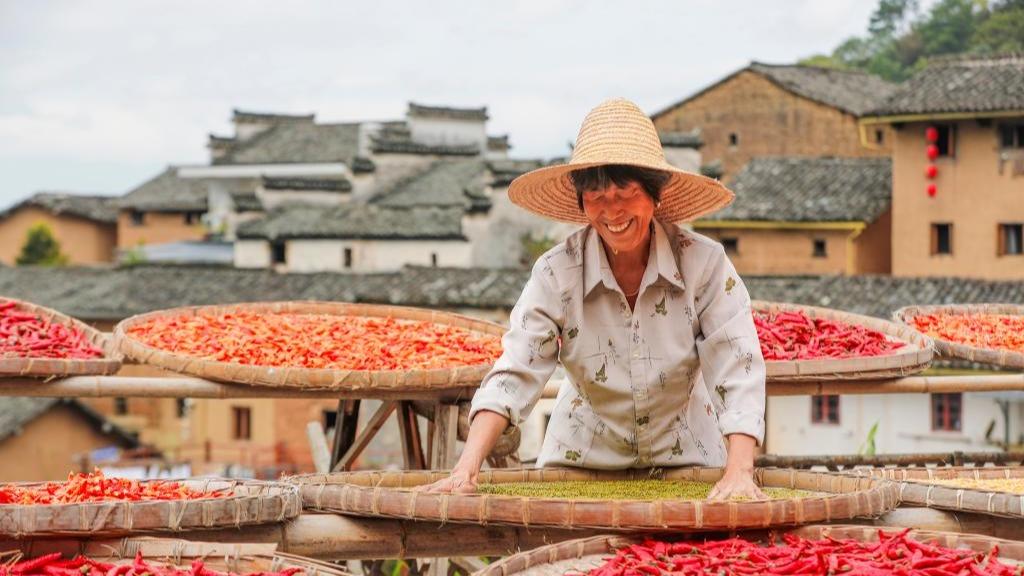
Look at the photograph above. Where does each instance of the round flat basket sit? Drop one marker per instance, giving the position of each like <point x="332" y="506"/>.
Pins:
<point x="391" y="494"/>
<point x="248" y="502"/>
<point x="585" y="554"/>
<point x="914" y="357"/>
<point x="44" y="367"/>
<point x="983" y="490"/>
<point x="312" y="378"/>
<point x="235" y="558"/>
<point x="949" y="349"/>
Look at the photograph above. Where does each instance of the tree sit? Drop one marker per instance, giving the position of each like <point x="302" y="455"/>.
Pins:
<point x="41" y="248"/>
<point x="1002" y="31"/>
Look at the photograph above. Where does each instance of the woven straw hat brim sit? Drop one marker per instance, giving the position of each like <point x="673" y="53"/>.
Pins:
<point x="549" y="192"/>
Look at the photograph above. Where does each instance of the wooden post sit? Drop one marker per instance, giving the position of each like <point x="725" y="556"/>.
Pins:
<point x="363" y="440"/>
<point x="344" y="429"/>
<point x="318" y="447"/>
<point x="446" y="432"/>
<point x="412" y="446"/>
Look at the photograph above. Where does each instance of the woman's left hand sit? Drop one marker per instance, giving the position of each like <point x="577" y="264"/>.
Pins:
<point x="736" y="483"/>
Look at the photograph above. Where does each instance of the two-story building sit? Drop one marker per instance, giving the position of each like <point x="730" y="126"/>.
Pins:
<point x="84" y="226"/>
<point x="958" y="168"/>
<point x="779" y="110"/>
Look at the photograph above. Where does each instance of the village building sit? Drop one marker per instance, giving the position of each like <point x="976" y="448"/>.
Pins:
<point x="84" y="226"/>
<point x="48" y="437"/>
<point x="800" y="215"/>
<point x="958" y="168"/>
<point x="779" y="110"/>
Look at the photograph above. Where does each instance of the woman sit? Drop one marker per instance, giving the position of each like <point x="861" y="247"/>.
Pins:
<point x="651" y="322"/>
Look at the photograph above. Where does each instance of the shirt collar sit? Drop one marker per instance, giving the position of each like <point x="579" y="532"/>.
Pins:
<point x="662" y="262"/>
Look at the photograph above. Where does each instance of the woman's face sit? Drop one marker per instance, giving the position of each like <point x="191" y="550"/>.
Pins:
<point x="621" y="215"/>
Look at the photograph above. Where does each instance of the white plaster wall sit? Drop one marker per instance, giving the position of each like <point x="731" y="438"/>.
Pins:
<point x="274" y="198"/>
<point x="434" y="131"/>
<point x="497" y="239"/>
<point x="374" y="255"/>
<point x="904" y="425"/>
<point x="685" y="158"/>
<point x="252" y="254"/>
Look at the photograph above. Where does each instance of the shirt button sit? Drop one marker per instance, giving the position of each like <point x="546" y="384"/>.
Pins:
<point x="636" y="354"/>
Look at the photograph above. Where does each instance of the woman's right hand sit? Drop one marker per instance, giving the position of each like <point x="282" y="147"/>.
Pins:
<point x="458" y="482"/>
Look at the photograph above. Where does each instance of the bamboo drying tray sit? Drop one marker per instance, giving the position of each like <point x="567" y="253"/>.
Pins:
<point x="914" y="486"/>
<point x="585" y="554"/>
<point x="389" y="494"/>
<point x="395" y="380"/>
<point x="912" y="358"/>
<point x="43" y="367"/>
<point x="947" y="349"/>
<point x="237" y="558"/>
<point x="251" y="502"/>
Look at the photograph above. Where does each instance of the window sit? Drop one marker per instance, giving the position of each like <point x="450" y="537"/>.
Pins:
<point x="242" y="420"/>
<point x="947" y="139"/>
<point x="193" y="218"/>
<point x="734" y="139"/>
<point x="120" y="406"/>
<point x="820" y="250"/>
<point x="879" y="137"/>
<point x="947" y="412"/>
<point x="1011" y="239"/>
<point x="731" y="245"/>
<point x="942" y="238"/>
<point x="330" y="419"/>
<point x="1011" y="136"/>
<point x="278" y="253"/>
<point x="348" y="257"/>
<point x="182" y="406"/>
<point x="825" y="409"/>
<point x="433" y="259"/>
<point x="137" y="218"/>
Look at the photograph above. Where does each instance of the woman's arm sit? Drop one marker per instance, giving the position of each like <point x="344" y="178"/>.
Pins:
<point x="738" y="479"/>
<point x="484" y="431"/>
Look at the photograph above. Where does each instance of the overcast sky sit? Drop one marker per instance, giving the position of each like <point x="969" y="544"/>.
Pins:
<point x="97" y="96"/>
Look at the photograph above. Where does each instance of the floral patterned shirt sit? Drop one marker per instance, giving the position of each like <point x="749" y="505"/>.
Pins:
<point x="660" y="385"/>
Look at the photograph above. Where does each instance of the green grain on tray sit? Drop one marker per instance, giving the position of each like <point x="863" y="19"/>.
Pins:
<point x="621" y="490"/>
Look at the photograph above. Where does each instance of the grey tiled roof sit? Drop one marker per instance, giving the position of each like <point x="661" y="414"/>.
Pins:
<point x="850" y="91"/>
<point x="311" y="184"/>
<point x="168" y="192"/>
<point x="498" y="142"/>
<point x="357" y="221"/>
<point x="504" y="171"/>
<point x="95" y="293"/>
<point x="444" y="183"/>
<point x="448" y="112"/>
<point x="247" y="115"/>
<point x="961" y="84"/>
<point x="691" y="139"/>
<point x="294" y="142"/>
<point x="16" y="413"/>
<point x="362" y="165"/>
<point x="246" y="202"/>
<point x="792" y="189"/>
<point x="100" y="209"/>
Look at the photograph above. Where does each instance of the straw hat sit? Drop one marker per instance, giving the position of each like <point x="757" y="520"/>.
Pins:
<point x="617" y="132"/>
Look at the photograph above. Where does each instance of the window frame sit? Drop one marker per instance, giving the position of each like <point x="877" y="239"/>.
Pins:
<point x="815" y="253"/>
<point x="1002" y="231"/>
<point x="946" y="422"/>
<point x="137" y="217"/>
<point x="951" y="137"/>
<point x="241" y="423"/>
<point x="935" y="238"/>
<point x="731" y="244"/>
<point x="1015" y="130"/>
<point x="822" y="411"/>
<point x="347" y="258"/>
<point x="278" y="253"/>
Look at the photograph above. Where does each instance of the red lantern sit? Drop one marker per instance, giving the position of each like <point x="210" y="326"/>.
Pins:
<point x="932" y="190"/>
<point x="931" y="134"/>
<point x="931" y="171"/>
<point x="932" y="151"/>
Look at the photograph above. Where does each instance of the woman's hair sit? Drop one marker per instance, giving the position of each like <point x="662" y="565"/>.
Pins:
<point x="600" y="177"/>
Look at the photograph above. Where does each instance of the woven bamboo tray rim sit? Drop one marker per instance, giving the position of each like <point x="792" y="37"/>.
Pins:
<point x="948" y="349"/>
<point x="584" y="554"/>
<point x="42" y="367"/>
<point x="912" y="358"/>
<point x="312" y="378"/>
<point x="914" y="486"/>
<point x="236" y="557"/>
<point x="388" y="494"/>
<point x="251" y="502"/>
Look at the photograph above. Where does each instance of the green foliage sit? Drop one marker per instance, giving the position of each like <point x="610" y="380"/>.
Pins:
<point x="868" y="447"/>
<point x="900" y="40"/>
<point x="41" y="248"/>
<point x="134" y="256"/>
<point x="534" y="247"/>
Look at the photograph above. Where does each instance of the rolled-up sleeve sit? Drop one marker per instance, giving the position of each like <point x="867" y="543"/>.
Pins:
<point x="730" y="355"/>
<point x="530" y="351"/>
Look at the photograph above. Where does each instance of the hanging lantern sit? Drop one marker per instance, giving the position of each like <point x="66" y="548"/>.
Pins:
<point x="931" y="134"/>
<point x="931" y="171"/>
<point x="932" y="151"/>
<point x="932" y="190"/>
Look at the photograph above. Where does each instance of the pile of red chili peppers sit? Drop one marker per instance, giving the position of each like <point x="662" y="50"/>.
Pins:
<point x="1000" y="331"/>
<point x="25" y="335"/>
<point x="892" y="554"/>
<point x="792" y="335"/>
<point x="96" y="487"/>
<point x="55" y="565"/>
<point x="318" y="341"/>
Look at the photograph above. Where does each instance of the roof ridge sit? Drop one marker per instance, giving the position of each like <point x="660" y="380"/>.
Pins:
<point x="987" y="59"/>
